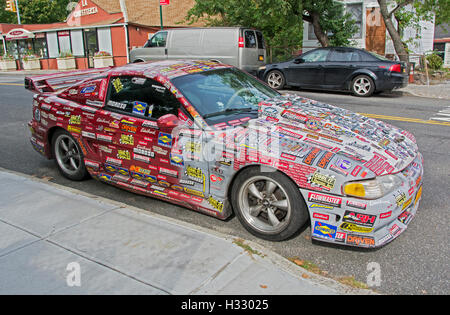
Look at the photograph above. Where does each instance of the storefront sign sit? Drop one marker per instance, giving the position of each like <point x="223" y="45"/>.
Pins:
<point x="84" y="12"/>
<point x="18" y="33"/>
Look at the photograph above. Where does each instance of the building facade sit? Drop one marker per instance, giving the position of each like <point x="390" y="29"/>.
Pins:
<point x="113" y="27"/>
<point x="372" y="34"/>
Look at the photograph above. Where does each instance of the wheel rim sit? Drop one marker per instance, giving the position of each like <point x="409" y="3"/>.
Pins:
<point x="362" y="86"/>
<point x="67" y="154"/>
<point x="264" y="205"/>
<point x="275" y="80"/>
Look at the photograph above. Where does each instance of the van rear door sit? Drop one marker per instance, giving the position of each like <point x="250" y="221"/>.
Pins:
<point x="252" y="50"/>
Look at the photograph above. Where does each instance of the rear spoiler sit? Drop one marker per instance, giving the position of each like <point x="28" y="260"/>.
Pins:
<point x="58" y="81"/>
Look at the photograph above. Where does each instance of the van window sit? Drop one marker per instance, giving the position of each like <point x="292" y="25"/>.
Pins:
<point x="250" y="39"/>
<point x="159" y="40"/>
<point x="260" y="38"/>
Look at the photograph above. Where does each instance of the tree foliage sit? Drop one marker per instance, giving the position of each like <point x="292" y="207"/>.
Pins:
<point x="281" y="21"/>
<point x="36" y="12"/>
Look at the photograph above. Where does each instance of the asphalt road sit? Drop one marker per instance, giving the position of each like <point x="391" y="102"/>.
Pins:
<point x="415" y="263"/>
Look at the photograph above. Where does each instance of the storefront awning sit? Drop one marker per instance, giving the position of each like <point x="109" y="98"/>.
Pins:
<point x="19" y="33"/>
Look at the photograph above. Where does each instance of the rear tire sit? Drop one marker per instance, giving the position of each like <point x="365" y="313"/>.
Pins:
<point x="269" y="205"/>
<point x="68" y="156"/>
<point x="362" y="86"/>
<point x="275" y="79"/>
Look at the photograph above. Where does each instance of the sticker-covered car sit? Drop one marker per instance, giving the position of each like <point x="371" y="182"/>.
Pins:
<point x="214" y="139"/>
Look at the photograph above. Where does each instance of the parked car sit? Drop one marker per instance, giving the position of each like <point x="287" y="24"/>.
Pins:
<point x="212" y="138"/>
<point x="337" y="68"/>
<point x="237" y="46"/>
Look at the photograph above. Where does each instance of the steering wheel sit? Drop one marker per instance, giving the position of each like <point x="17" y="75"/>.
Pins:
<point x="235" y="95"/>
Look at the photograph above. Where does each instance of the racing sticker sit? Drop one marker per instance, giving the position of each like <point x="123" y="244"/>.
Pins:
<point x="165" y="139"/>
<point x="139" y="108"/>
<point x="324" y="230"/>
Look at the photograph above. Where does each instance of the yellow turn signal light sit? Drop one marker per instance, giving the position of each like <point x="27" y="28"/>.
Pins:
<point x="355" y="189"/>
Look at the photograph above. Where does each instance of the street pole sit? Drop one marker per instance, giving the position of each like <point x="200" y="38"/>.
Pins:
<point x="18" y="12"/>
<point x="161" y="17"/>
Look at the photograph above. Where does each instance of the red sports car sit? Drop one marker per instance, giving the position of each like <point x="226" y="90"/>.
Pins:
<point x="212" y="138"/>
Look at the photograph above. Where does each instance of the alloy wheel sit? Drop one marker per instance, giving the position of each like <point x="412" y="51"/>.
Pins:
<point x="362" y="86"/>
<point x="265" y="205"/>
<point x="68" y="155"/>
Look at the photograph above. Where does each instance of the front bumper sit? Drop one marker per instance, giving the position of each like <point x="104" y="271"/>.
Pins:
<point x="367" y="223"/>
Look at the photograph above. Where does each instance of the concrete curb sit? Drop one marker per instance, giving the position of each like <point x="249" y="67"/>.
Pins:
<point x="263" y="253"/>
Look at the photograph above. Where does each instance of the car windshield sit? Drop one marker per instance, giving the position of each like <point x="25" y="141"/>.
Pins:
<point x="220" y="93"/>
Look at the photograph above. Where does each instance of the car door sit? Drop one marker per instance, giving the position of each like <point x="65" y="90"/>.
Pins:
<point x="137" y="149"/>
<point x="307" y="70"/>
<point x="341" y="64"/>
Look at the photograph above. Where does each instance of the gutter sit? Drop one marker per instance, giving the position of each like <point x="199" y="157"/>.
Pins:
<point x="123" y="8"/>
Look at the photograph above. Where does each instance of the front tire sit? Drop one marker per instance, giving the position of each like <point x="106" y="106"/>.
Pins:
<point x="69" y="156"/>
<point x="269" y="205"/>
<point x="275" y="79"/>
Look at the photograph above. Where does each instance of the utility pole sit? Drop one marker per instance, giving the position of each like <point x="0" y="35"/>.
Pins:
<point x="18" y="12"/>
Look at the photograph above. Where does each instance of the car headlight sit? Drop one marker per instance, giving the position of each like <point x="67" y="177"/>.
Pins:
<point x="372" y="188"/>
<point x="262" y="68"/>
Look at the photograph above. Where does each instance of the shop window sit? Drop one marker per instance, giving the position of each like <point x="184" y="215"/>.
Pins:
<point x="40" y="46"/>
<point x="64" y="42"/>
<point x="140" y="97"/>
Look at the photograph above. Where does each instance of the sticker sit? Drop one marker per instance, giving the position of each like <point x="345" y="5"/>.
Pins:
<point x="324" y="230"/>
<point x="139" y="108"/>
<point x="118" y="86"/>
<point x="165" y="139"/>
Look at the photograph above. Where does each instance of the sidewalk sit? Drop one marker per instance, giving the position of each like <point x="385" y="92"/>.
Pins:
<point x="45" y="228"/>
<point x="441" y="91"/>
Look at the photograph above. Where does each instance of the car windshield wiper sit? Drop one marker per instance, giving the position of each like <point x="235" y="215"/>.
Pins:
<point x="230" y="111"/>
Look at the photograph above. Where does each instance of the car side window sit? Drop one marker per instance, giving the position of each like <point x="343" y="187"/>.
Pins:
<point x="338" y="55"/>
<point x="140" y="97"/>
<point x="250" y="39"/>
<point x="260" y="37"/>
<point x="159" y="40"/>
<point x="319" y="55"/>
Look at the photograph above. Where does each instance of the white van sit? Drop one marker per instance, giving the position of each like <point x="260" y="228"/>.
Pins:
<point x="241" y="47"/>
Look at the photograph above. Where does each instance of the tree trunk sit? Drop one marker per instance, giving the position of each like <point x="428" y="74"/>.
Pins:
<point x="318" y="31"/>
<point x="399" y="47"/>
<point x="314" y="19"/>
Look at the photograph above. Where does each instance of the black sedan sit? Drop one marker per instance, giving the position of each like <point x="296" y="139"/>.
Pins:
<point x="337" y="68"/>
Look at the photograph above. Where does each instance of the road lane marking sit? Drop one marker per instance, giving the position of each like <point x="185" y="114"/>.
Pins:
<point x="12" y="84"/>
<point x="408" y="119"/>
<point x="445" y="113"/>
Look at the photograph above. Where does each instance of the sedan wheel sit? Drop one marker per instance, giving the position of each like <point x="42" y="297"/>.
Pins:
<point x="269" y="205"/>
<point x="69" y="157"/>
<point x="363" y="86"/>
<point x="275" y="79"/>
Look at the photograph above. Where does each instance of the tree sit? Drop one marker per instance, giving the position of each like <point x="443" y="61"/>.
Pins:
<point x="281" y="21"/>
<point x="332" y="25"/>
<point x="409" y="13"/>
<point x="36" y="12"/>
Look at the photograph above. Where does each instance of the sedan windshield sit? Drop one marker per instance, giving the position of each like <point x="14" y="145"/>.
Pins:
<point x="224" y="92"/>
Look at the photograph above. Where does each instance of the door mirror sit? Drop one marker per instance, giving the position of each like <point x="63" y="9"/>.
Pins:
<point x="168" y="121"/>
<point x="299" y="60"/>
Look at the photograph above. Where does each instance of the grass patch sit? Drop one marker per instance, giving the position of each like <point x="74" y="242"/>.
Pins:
<point x="241" y="243"/>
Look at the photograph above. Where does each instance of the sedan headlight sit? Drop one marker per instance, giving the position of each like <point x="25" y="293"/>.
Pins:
<point x="262" y="68"/>
<point x="371" y="188"/>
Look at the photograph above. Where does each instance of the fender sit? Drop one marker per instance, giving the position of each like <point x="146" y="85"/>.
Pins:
<point x="367" y="72"/>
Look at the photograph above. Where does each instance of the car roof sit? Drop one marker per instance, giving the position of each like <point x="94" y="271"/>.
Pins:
<point x="167" y="68"/>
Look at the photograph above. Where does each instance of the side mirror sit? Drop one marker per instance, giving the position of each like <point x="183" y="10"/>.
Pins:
<point x="168" y="121"/>
<point x="299" y="60"/>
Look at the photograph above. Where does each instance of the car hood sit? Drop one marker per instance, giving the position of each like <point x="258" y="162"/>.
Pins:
<point x="378" y="147"/>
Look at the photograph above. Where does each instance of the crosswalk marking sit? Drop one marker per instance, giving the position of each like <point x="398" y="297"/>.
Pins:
<point x="444" y="115"/>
